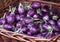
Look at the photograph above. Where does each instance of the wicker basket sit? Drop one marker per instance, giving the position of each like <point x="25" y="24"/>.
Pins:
<point x="56" y="1"/>
<point x="8" y="36"/>
<point x="4" y="4"/>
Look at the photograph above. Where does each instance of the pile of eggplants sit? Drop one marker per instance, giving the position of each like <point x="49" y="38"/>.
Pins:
<point x="33" y="20"/>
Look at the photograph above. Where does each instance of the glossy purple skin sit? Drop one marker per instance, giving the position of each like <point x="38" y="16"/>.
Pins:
<point x="2" y="21"/>
<point x="46" y="17"/>
<point x="55" y="27"/>
<point x="31" y="12"/>
<point x="36" y="4"/>
<point x="44" y="33"/>
<point x="22" y="17"/>
<point x="20" y="24"/>
<point x="39" y="35"/>
<point x="28" y="20"/>
<point x="29" y="33"/>
<point x="33" y="30"/>
<point x="30" y="25"/>
<point x="17" y="17"/>
<point x="10" y="18"/>
<point x="36" y="16"/>
<point x="16" y="28"/>
<point x="48" y="35"/>
<point x="45" y="26"/>
<point x="51" y="22"/>
<point x="8" y="27"/>
<point x="58" y="22"/>
<point x="21" y="9"/>
<point x="45" y="9"/>
<point x="24" y="29"/>
<point x="56" y="33"/>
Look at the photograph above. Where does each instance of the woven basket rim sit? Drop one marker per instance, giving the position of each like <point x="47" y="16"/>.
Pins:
<point x="25" y="36"/>
<point x="45" y="2"/>
<point x="11" y="3"/>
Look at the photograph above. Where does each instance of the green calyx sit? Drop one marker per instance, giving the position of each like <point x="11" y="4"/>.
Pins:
<point x="38" y="11"/>
<point x="27" y="7"/>
<point x="50" y="28"/>
<point x="55" y="17"/>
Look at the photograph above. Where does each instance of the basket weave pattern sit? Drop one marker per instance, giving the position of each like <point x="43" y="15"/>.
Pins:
<point x="8" y="36"/>
<point x="6" y="3"/>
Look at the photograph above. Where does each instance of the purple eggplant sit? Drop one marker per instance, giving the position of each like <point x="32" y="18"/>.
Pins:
<point x="31" y="25"/>
<point x="29" y="33"/>
<point x="36" y="16"/>
<point x="19" y="24"/>
<point x="2" y="21"/>
<point x="8" y="27"/>
<point x="39" y="35"/>
<point x="55" y="27"/>
<point x="33" y="30"/>
<point x="52" y="22"/>
<point x="36" y="4"/>
<point x="17" y="17"/>
<point x="22" y="17"/>
<point x="58" y="22"/>
<point x="48" y="35"/>
<point x="31" y="12"/>
<point x="21" y="9"/>
<point x="45" y="9"/>
<point x="24" y="29"/>
<point x="10" y="18"/>
<point x="46" y="18"/>
<point x="48" y="27"/>
<point x="28" y="20"/>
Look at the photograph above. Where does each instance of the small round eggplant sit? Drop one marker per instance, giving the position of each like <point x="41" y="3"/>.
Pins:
<point x="36" y="4"/>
